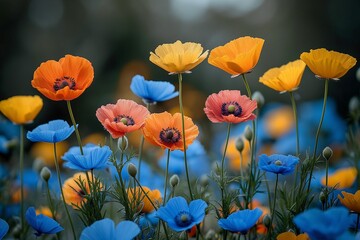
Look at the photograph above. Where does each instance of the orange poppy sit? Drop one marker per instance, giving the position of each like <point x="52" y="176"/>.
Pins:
<point x="139" y="201"/>
<point x="328" y="64"/>
<point x="238" y="56"/>
<point x="351" y="201"/>
<point x="123" y="117"/>
<point x="66" y="79"/>
<point x="178" y="57"/>
<point x="73" y="194"/>
<point x="165" y="130"/>
<point x="229" y="106"/>
<point x="292" y="236"/>
<point x="341" y="178"/>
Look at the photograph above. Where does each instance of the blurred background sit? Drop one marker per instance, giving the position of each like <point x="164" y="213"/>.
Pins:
<point x="117" y="36"/>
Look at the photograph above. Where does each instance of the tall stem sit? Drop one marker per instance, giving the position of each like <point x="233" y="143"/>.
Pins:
<point x="22" y="176"/>
<point x="75" y="126"/>
<point x="318" y="132"/>
<point x="273" y="208"/>
<point x="183" y="135"/>
<point x="62" y="193"/>
<point x="293" y="103"/>
<point x="166" y="175"/>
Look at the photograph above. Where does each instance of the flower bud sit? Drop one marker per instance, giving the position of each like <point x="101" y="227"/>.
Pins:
<point x="322" y="197"/>
<point x="354" y="105"/>
<point x="327" y="153"/>
<point x="204" y="180"/>
<point x="248" y="133"/>
<point x="259" y="98"/>
<point x="267" y="220"/>
<point x="132" y="170"/>
<point x="122" y="144"/>
<point x="45" y="174"/>
<point x="174" y="180"/>
<point x="239" y="144"/>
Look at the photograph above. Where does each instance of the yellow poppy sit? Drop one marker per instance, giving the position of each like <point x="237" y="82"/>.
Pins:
<point x="21" y="109"/>
<point x="44" y="211"/>
<point x="351" y="201"/>
<point x="292" y="236"/>
<point x="178" y="57"/>
<point x="45" y="152"/>
<point x="328" y="64"/>
<point x="342" y="178"/>
<point x="237" y="57"/>
<point x="279" y="121"/>
<point x="286" y="78"/>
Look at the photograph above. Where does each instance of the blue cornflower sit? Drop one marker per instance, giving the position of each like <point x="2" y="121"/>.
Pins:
<point x="152" y="91"/>
<point x="52" y="132"/>
<point x="41" y="223"/>
<point x="240" y="221"/>
<point x="4" y="228"/>
<point x="93" y="157"/>
<point x="324" y="225"/>
<point x="278" y="163"/>
<point x="180" y="216"/>
<point x="105" y="229"/>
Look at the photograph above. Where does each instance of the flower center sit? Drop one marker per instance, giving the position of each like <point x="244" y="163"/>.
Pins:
<point x="278" y="163"/>
<point x="231" y="108"/>
<point x="126" y="120"/>
<point x="183" y="219"/>
<point x="60" y="83"/>
<point x="170" y="135"/>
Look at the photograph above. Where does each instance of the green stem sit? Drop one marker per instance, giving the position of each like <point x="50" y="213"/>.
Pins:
<point x="141" y="148"/>
<point x="183" y="135"/>
<point x="166" y="175"/>
<point x="51" y="205"/>
<point x="75" y="126"/>
<point x="253" y="147"/>
<point x="318" y="132"/>
<point x="119" y="170"/>
<point x="22" y="177"/>
<point x="273" y="207"/>
<point x="62" y="193"/>
<point x="293" y="103"/>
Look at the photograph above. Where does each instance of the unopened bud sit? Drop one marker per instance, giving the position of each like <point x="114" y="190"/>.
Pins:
<point x="122" y="143"/>
<point x="267" y="220"/>
<point x="45" y="174"/>
<point x="259" y="98"/>
<point x="204" y="180"/>
<point x="327" y="153"/>
<point x="354" y="105"/>
<point x="132" y="170"/>
<point x="322" y="197"/>
<point x="239" y="144"/>
<point x="248" y="133"/>
<point x="174" y="180"/>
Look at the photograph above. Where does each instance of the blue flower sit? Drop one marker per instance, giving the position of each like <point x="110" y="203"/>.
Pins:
<point x="196" y="156"/>
<point x="4" y="228"/>
<point x="52" y="132"/>
<point x="323" y="225"/>
<point x="147" y="224"/>
<point x="180" y="216"/>
<point x="93" y="157"/>
<point x="105" y="229"/>
<point x="278" y="163"/>
<point x="240" y="221"/>
<point x="152" y="91"/>
<point x="41" y="224"/>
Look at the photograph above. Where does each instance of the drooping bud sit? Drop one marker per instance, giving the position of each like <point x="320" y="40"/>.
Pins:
<point x="327" y="153"/>
<point x="122" y="144"/>
<point x="248" y="133"/>
<point x="239" y="144"/>
<point x="259" y="98"/>
<point x="45" y="174"/>
<point x="174" y="180"/>
<point x="132" y="170"/>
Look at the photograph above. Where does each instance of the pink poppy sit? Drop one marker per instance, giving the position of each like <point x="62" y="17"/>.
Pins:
<point x="229" y="106"/>
<point x="123" y="117"/>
